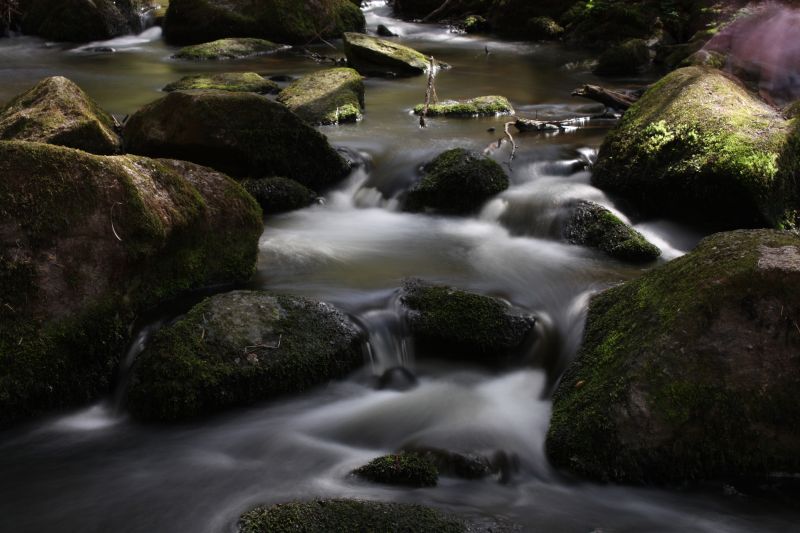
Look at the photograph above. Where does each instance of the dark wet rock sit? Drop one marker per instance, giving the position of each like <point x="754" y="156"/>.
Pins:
<point x="383" y="31"/>
<point x="233" y="48"/>
<point x="591" y="224"/>
<point x="397" y="378"/>
<point x="247" y="82"/>
<point x="698" y="146"/>
<point x="458" y="182"/>
<point x="100" y="50"/>
<point x="239" y="348"/>
<point x="328" y="96"/>
<point x="79" y="21"/>
<point x="690" y="372"/>
<point x="544" y="29"/>
<point x="282" y="78"/>
<point x="370" y="55"/>
<point x="56" y="111"/>
<point x="455" y="464"/>
<point x="475" y="24"/>
<point x="283" y="21"/>
<point x="279" y="195"/>
<point x="481" y="106"/>
<point x="454" y="324"/>
<point x="89" y="242"/>
<point x="406" y="468"/>
<point x="243" y="134"/>
<point x="629" y="57"/>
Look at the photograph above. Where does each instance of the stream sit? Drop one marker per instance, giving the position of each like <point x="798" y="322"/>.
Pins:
<point x="95" y="470"/>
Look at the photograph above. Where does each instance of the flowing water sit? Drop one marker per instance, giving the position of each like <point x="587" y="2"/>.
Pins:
<point x="94" y="470"/>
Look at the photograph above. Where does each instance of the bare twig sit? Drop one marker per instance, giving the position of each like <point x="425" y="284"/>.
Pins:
<point x="430" y="92"/>
<point x="513" y="144"/>
<point x="115" y="204"/>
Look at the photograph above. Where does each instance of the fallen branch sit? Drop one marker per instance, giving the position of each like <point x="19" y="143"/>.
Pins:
<point x="614" y="99"/>
<point x="526" y="124"/>
<point x="430" y="92"/>
<point x="513" y="144"/>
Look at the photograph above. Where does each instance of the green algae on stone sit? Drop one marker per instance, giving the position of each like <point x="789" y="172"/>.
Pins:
<point x="91" y="242"/>
<point x="238" y="348"/>
<point x="480" y="106"/>
<point x="457" y="181"/>
<point x="371" y="55"/>
<point x="700" y="147"/>
<point x="247" y="82"/>
<point x="591" y="224"/>
<point x="56" y="111"/>
<point x="456" y="324"/>
<point x="233" y="48"/>
<point x="629" y="57"/>
<point x="406" y="468"/>
<point x="326" y="516"/>
<point x="279" y="195"/>
<point x="690" y="372"/>
<point x="328" y="96"/>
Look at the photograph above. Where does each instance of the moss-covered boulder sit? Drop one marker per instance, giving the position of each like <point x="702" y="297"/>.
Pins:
<point x="370" y="55"/>
<point x="325" y="516"/>
<point x="481" y="106"/>
<point x="245" y="82"/>
<point x="89" y="242"/>
<point x="239" y="348"/>
<point x="543" y="29"/>
<point x="233" y="48"/>
<point x="690" y="372"/>
<point x="56" y="111"/>
<point x="406" y="468"/>
<point x="279" y="195"/>
<point x="457" y="464"/>
<point x="79" y="20"/>
<point x="629" y="57"/>
<point x="457" y="182"/>
<point x="700" y="147"/>
<point x="454" y="324"/>
<point x="283" y="21"/>
<point x="591" y="224"/>
<point x="328" y="96"/>
<point x="242" y="134"/>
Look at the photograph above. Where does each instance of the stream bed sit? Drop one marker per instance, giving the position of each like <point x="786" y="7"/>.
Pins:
<point x="95" y="470"/>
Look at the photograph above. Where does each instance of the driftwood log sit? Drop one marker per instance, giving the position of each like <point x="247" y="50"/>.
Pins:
<point x="615" y="99"/>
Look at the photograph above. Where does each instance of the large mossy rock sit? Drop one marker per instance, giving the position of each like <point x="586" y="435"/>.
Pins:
<point x="454" y="324"/>
<point x="373" y="56"/>
<point x="283" y="21"/>
<point x="232" y="48"/>
<point x="238" y="348"/>
<point x="326" y="97"/>
<point x="481" y="106"/>
<point x="79" y="20"/>
<point x="698" y="146"/>
<point x="457" y="182"/>
<point x="591" y="224"/>
<point x="406" y="468"/>
<point x="326" y="516"/>
<point x="56" y="111"/>
<point x="690" y="372"/>
<point x="87" y="243"/>
<point x="237" y="82"/>
<point x="244" y="135"/>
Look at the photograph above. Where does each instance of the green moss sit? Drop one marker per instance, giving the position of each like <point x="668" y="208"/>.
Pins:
<point x="474" y="107"/>
<point x="348" y="515"/>
<point x="248" y="82"/>
<point x="329" y="96"/>
<point x="228" y="49"/>
<point x="630" y="57"/>
<point x="238" y="348"/>
<point x="279" y="195"/>
<point x="370" y="55"/>
<point x="475" y="24"/>
<point x="700" y="147"/>
<point x="544" y="29"/>
<point x="457" y="181"/>
<point x="409" y="469"/>
<point x="591" y="224"/>
<point x="657" y="393"/>
<point x="448" y="322"/>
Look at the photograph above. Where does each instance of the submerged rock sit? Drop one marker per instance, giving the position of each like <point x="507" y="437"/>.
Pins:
<point x="457" y="181"/>
<point x="279" y="195"/>
<point x="79" y="21"/>
<point x="460" y="465"/>
<point x="228" y="49"/>
<point x="383" y="31"/>
<point x="240" y="348"/>
<point x="88" y="243"/>
<point x="455" y="324"/>
<point x="397" y="378"/>
<point x="326" y="97"/>
<point x="247" y="82"/>
<point x="370" y="55"/>
<point x="197" y="21"/>
<point x="56" y="111"/>
<point x="407" y="468"/>
<point x="474" y="107"/>
<point x="245" y="135"/>
<point x="629" y="57"/>
<point x="593" y="225"/>
<point x="690" y="372"/>
<point x="698" y="146"/>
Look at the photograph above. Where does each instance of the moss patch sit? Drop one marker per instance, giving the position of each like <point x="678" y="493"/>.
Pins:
<point x="474" y="107"/>
<point x="326" y="97"/>
<point x="246" y="82"/>
<point x="370" y="55"/>
<point x="228" y="49"/>
<point x="409" y="469"/>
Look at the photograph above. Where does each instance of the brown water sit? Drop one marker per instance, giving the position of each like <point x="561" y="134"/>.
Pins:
<point x="93" y="470"/>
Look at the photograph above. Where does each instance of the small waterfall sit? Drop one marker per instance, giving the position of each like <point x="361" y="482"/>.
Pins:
<point x="389" y="345"/>
<point x="135" y="348"/>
